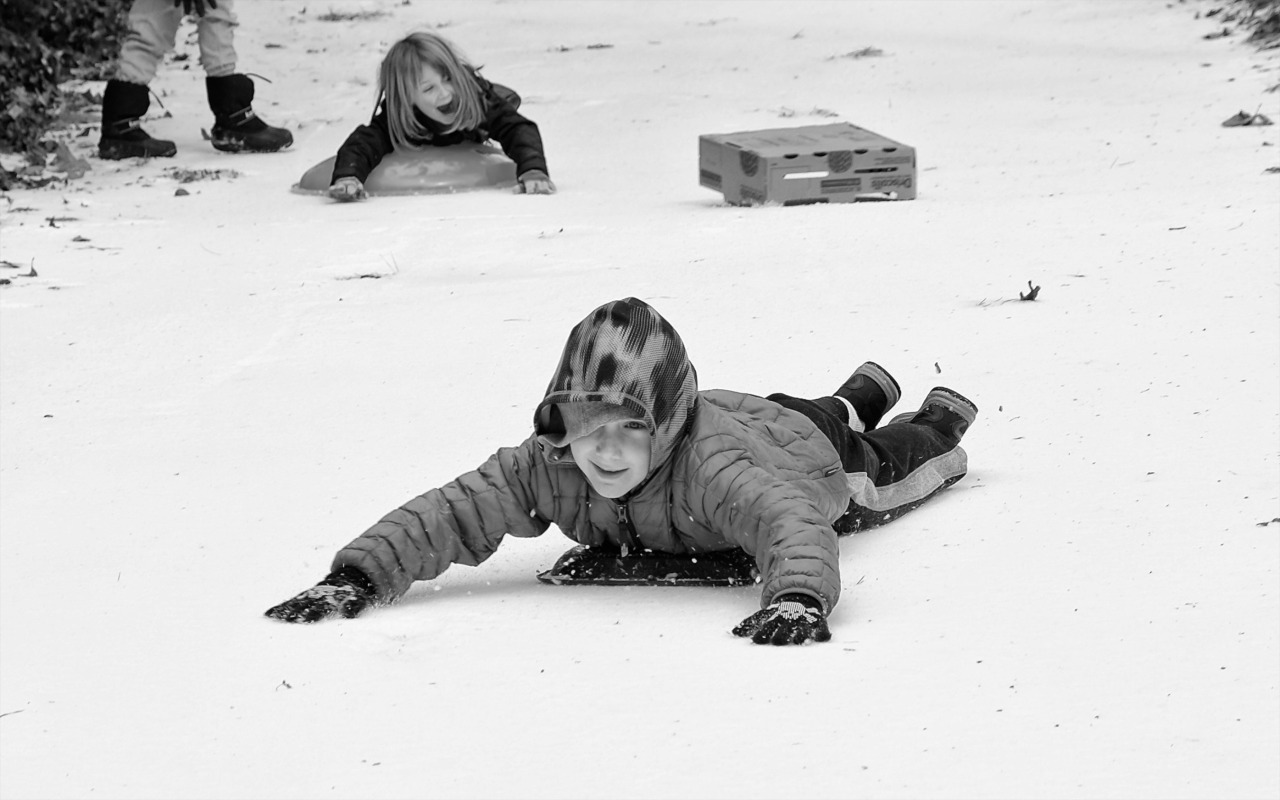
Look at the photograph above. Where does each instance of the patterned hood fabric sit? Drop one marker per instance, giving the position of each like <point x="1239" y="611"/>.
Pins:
<point x="626" y="354"/>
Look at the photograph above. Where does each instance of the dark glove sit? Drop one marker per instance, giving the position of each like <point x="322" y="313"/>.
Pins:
<point x="791" y="619"/>
<point x="346" y="592"/>
<point x="197" y="6"/>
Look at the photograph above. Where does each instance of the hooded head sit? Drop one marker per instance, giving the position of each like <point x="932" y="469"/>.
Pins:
<point x="623" y="362"/>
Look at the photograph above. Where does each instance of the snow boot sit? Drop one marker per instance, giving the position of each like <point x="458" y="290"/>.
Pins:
<point x="236" y="129"/>
<point x="946" y="411"/>
<point x="123" y="106"/>
<point x="605" y="566"/>
<point x="872" y="391"/>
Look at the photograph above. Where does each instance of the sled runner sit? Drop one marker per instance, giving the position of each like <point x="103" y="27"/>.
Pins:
<point x="431" y="170"/>
<point x="584" y="565"/>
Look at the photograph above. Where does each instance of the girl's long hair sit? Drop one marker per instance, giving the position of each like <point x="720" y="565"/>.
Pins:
<point x="398" y="85"/>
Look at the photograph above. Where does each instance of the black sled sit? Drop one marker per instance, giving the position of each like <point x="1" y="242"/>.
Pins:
<point x="593" y="566"/>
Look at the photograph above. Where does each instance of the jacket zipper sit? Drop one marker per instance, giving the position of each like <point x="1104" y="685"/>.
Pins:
<point x="628" y="529"/>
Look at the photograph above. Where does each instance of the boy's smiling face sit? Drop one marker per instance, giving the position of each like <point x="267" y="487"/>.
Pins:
<point x="614" y="457"/>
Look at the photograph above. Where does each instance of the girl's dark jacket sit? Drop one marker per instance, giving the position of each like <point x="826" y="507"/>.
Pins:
<point x="726" y="470"/>
<point x="518" y="136"/>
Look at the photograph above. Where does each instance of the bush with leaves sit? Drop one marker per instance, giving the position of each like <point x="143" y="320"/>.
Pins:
<point x="42" y="44"/>
<point x="1263" y="20"/>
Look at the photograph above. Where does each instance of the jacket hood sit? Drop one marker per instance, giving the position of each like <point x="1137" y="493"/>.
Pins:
<point x="626" y="354"/>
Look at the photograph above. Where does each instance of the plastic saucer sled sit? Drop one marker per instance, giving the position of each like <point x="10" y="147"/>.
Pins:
<point x="431" y="170"/>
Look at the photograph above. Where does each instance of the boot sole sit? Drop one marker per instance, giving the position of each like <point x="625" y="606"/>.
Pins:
<point x="236" y="147"/>
<point x="949" y="398"/>
<point x="233" y="144"/>
<point x="954" y="401"/>
<point x="120" y="152"/>
<point x="884" y="380"/>
<point x="881" y="378"/>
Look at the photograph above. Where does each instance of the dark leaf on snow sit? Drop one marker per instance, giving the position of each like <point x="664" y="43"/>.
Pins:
<point x="1243" y="118"/>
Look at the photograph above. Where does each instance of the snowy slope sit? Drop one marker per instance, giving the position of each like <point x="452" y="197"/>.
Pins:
<point x="201" y="399"/>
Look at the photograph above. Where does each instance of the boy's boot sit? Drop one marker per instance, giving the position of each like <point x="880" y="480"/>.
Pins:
<point x="872" y="391"/>
<point x="236" y="128"/>
<point x="123" y="106"/>
<point x="946" y="411"/>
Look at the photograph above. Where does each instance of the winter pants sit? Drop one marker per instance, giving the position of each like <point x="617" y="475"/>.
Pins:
<point x="891" y="470"/>
<point x="153" y="30"/>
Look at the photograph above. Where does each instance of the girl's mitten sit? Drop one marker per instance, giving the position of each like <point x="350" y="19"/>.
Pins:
<point x="535" y="181"/>
<point x="348" y="189"/>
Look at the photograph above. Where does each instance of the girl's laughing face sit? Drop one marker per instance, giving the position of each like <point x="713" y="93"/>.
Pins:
<point x="436" y="96"/>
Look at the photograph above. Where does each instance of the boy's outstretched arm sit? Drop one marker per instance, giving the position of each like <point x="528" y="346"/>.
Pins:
<point x="795" y="547"/>
<point x="461" y="522"/>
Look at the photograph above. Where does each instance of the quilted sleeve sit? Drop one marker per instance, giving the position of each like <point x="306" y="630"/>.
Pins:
<point x="363" y="150"/>
<point x="518" y="135"/>
<point x="462" y="522"/>
<point x="794" y="544"/>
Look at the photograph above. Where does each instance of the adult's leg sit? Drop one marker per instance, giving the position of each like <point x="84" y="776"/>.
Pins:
<point x="236" y="126"/>
<point x="153" y="28"/>
<point x="216" y="33"/>
<point x="153" y="25"/>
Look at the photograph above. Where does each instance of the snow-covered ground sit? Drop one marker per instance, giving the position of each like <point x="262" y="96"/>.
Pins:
<point x="202" y="397"/>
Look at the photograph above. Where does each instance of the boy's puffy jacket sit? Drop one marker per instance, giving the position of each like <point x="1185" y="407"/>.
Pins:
<point x="365" y="148"/>
<point x="727" y="470"/>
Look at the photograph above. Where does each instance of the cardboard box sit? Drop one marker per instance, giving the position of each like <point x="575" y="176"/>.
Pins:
<point x="837" y="163"/>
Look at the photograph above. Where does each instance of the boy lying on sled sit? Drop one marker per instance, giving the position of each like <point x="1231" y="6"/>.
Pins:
<point x="644" y="471"/>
